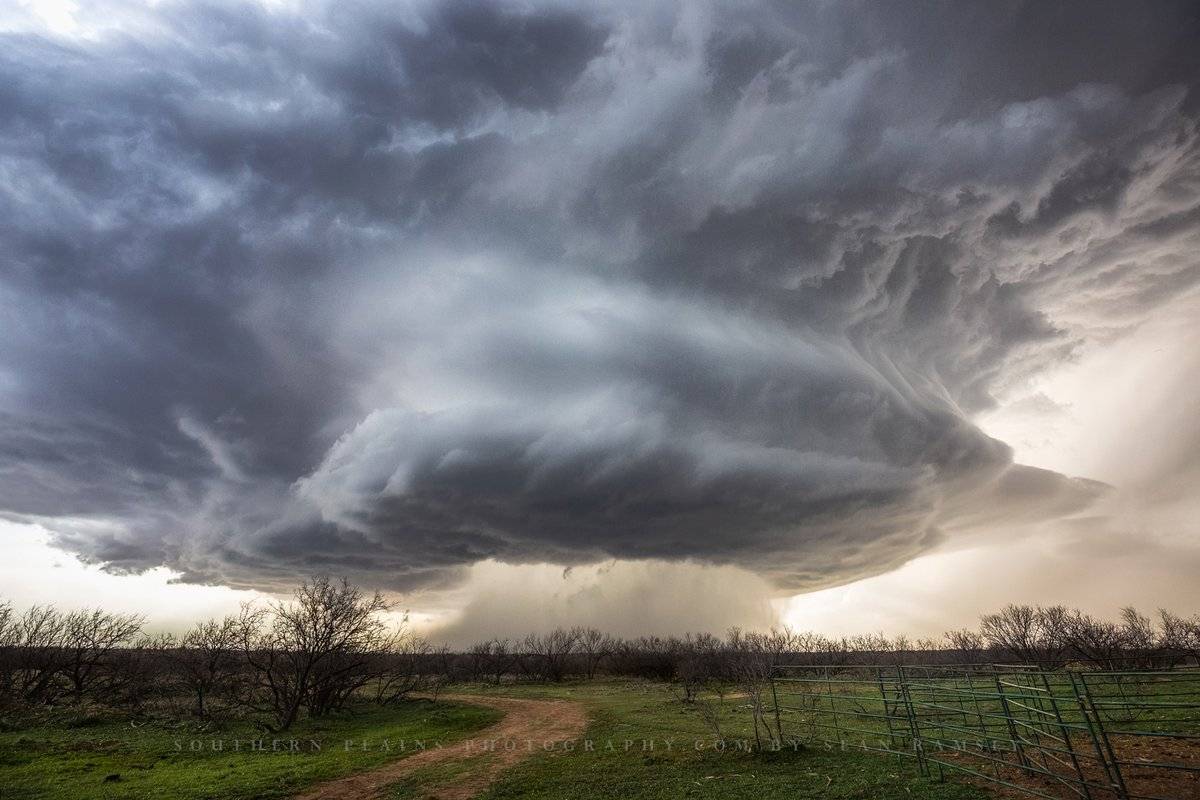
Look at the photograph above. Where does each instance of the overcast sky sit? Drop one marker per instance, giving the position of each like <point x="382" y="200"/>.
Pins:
<point x="641" y="314"/>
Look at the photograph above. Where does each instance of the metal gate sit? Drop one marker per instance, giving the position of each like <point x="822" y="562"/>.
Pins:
<point x="1047" y="733"/>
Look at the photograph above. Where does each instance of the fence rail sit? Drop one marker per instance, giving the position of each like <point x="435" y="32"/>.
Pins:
<point x="1050" y="733"/>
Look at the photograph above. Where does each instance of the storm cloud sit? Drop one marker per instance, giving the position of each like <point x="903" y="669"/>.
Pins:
<point x="393" y="290"/>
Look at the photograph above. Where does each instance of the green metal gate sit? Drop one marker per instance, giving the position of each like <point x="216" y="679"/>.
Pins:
<point x="1047" y="733"/>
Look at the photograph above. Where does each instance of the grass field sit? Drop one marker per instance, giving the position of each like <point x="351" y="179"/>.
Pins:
<point x="65" y="756"/>
<point x="625" y="714"/>
<point x="641" y="743"/>
<point x="1118" y="732"/>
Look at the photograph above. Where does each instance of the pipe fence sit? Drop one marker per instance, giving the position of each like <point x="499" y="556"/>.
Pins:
<point x="1050" y="733"/>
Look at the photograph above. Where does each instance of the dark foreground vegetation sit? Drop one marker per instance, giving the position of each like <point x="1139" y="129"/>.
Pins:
<point x="308" y="657"/>
<point x="91" y="705"/>
<point x="330" y="646"/>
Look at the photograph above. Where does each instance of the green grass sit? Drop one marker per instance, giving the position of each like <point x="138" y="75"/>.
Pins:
<point x="958" y="708"/>
<point x="625" y="714"/>
<point x="69" y="757"/>
<point x="64" y="757"/>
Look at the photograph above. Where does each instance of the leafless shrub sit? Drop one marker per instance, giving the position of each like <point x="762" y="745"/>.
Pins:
<point x="403" y="668"/>
<point x="206" y="659"/>
<point x="502" y="659"/>
<point x="968" y="646"/>
<point x="330" y="645"/>
<point x="648" y="657"/>
<point x="1139" y="639"/>
<point x="311" y="653"/>
<point x="873" y="648"/>
<point x="700" y="663"/>
<point x="546" y="655"/>
<point x="478" y="659"/>
<point x="490" y="661"/>
<point x="39" y="657"/>
<point x="141" y="673"/>
<point x="88" y="640"/>
<point x="1096" y="641"/>
<point x="593" y="646"/>
<point x="9" y="642"/>
<point x="752" y="660"/>
<point x="1031" y="634"/>
<point x="1180" y="637"/>
<point x="52" y="656"/>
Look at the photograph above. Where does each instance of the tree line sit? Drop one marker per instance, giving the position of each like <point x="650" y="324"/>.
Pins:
<point x="331" y="644"/>
<point x="1052" y="636"/>
<point x="312" y="655"/>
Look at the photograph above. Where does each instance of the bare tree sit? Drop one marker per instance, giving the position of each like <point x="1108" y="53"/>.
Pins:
<point x="1180" y="637"/>
<point x="648" y="657"/>
<point x="1053" y="626"/>
<point x="207" y="658"/>
<point x="40" y="656"/>
<point x="700" y="664"/>
<point x="594" y="646"/>
<point x="752" y="667"/>
<point x="1139" y="638"/>
<point x="478" y="660"/>
<point x="1032" y="634"/>
<point x="1095" y="641"/>
<point x="502" y="659"/>
<point x="968" y="645"/>
<point x="403" y="668"/>
<point x="548" y="654"/>
<point x="10" y="641"/>
<point x="88" y="639"/>
<point x="836" y="652"/>
<point x="490" y="660"/>
<point x="312" y="651"/>
<point x="1014" y="630"/>
<point x="140" y="672"/>
<point x="329" y="645"/>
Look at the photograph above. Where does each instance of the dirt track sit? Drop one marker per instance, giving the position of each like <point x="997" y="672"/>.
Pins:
<point x="526" y="726"/>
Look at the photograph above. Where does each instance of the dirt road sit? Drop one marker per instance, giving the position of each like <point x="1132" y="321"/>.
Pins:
<point x="526" y="727"/>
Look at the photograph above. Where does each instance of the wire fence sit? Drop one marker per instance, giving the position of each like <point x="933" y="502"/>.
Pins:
<point x="1050" y="733"/>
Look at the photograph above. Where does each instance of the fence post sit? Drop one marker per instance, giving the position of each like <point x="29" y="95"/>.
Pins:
<point x="985" y="732"/>
<point x="1115" y="781"/>
<point x="833" y="711"/>
<point x="1113" y="762"/>
<point x="1008" y="718"/>
<point x="913" y="724"/>
<point x="1066" y="734"/>
<point x="887" y="715"/>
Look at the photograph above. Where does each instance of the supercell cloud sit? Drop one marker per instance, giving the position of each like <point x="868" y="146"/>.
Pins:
<point x="391" y="290"/>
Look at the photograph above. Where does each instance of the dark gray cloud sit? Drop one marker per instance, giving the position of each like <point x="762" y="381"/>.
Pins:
<point x="392" y="290"/>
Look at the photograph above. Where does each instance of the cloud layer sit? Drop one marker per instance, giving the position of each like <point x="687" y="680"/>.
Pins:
<point x="390" y="291"/>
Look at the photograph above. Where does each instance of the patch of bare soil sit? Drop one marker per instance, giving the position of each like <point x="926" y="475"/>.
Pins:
<point x="1140" y="759"/>
<point x="528" y="727"/>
